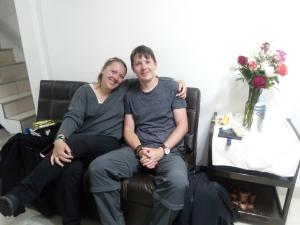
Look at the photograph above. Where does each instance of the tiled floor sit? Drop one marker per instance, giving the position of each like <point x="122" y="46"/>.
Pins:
<point x="32" y="217"/>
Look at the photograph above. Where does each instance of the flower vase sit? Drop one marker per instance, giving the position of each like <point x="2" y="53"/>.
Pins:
<point x="253" y="97"/>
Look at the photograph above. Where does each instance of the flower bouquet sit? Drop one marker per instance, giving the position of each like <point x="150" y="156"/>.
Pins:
<point x="262" y="71"/>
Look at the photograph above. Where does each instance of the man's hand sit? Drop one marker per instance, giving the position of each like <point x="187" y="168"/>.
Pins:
<point x="181" y="89"/>
<point x="149" y="157"/>
<point x="61" y="153"/>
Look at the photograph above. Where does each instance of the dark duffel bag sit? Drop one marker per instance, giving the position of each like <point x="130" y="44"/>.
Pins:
<point x="206" y="203"/>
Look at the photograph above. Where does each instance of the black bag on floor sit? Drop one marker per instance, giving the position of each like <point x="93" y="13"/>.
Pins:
<point x="20" y="155"/>
<point x="206" y="203"/>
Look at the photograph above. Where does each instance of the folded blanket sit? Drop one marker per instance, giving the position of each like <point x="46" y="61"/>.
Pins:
<point x="274" y="150"/>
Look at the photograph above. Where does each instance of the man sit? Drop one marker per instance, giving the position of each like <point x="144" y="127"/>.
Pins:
<point x="155" y="123"/>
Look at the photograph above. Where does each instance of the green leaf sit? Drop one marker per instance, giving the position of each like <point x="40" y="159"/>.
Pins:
<point x="240" y="78"/>
<point x="246" y="73"/>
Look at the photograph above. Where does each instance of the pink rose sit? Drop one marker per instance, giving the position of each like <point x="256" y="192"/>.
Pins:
<point x="242" y="60"/>
<point x="282" y="69"/>
<point x="259" y="82"/>
<point x="280" y="56"/>
<point x="252" y="65"/>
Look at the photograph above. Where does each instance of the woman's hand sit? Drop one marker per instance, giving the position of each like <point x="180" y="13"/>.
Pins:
<point x="61" y="153"/>
<point x="182" y="89"/>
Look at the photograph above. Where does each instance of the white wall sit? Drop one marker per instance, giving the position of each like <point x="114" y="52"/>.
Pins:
<point x="9" y="30"/>
<point x="193" y="40"/>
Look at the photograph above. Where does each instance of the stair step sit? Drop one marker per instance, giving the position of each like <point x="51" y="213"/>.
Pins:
<point x="13" y="79"/>
<point x="11" y="64"/>
<point x="16" y="102"/>
<point x="12" y="98"/>
<point x="23" y="116"/>
<point x="6" y="56"/>
<point x="14" y="87"/>
<point x="18" y="106"/>
<point x="12" y="71"/>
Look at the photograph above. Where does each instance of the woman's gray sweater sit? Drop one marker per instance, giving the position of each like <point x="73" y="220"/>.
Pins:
<point x="86" y="116"/>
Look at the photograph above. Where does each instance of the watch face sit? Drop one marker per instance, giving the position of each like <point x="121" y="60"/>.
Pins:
<point x="167" y="151"/>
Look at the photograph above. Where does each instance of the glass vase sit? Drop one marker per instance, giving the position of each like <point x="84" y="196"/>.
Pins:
<point x="253" y="97"/>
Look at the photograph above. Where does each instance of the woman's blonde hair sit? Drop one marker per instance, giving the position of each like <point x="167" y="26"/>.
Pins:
<point x="109" y="62"/>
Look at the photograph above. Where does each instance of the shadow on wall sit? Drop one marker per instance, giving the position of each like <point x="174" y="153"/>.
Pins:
<point x="10" y="37"/>
<point x="10" y="34"/>
<point x="233" y="95"/>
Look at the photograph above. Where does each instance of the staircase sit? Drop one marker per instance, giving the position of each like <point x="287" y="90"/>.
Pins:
<point x="16" y="103"/>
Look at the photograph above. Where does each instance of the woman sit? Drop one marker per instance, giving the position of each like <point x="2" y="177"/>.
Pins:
<point x="91" y="127"/>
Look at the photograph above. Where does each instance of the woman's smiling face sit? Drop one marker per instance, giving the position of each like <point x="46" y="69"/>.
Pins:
<point x="113" y="75"/>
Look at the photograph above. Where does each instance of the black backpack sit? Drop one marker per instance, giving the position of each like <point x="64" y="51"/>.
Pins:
<point x="206" y="203"/>
<point x="21" y="153"/>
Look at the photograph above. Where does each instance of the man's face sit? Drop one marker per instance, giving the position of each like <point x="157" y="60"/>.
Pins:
<point x="144" y="67"/>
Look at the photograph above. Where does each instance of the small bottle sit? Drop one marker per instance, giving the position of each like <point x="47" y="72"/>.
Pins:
<point x="259" y="115"/>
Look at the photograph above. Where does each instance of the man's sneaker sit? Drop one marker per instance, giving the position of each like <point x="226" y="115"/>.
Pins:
<point x="8" y="205"/>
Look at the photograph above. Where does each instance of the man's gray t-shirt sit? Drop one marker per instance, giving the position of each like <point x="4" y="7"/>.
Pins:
<point x="153" y="111"/>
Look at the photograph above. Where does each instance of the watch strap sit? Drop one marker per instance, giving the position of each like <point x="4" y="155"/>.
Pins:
<point x="138" y="149"/>
<point x="60" y="137"/>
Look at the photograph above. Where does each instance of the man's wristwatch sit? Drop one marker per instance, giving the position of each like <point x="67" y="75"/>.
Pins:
<point x="166" y="149"/>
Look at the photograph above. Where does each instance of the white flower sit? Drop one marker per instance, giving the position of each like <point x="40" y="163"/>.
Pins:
<point x="233" y="68"/>
<point x="269" y="70"/>
<point x="264" y="65"/>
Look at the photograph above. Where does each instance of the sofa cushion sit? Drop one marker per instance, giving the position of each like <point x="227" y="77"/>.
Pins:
<point x="139" y="189"/>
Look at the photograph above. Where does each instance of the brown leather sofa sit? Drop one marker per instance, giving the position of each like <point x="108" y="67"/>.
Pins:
<point x="54" y="98"/>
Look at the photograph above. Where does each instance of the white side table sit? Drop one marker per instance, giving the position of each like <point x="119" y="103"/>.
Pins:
<point x="268" y="209"/>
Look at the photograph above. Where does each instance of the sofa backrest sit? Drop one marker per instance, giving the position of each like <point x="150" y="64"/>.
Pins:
<point x="193" y="111"/>
<point x="55" y="96"/>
